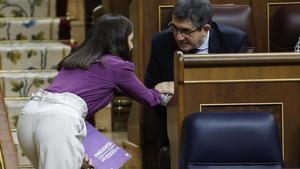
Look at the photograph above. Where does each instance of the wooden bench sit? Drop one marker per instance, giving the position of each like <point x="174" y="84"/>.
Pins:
<point x="253" y="82"/>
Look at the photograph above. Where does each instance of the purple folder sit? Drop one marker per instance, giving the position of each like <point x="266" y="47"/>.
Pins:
<point x="104" y="153"/>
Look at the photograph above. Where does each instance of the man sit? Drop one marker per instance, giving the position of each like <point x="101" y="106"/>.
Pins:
<point x="297" y="47"/>
<point x="191" y="31"/>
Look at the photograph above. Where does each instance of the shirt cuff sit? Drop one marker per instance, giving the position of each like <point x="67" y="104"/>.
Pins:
<point x="165" y="99"/>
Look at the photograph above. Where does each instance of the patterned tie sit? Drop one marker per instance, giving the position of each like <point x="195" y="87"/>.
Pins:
<point x="195" y="51"/>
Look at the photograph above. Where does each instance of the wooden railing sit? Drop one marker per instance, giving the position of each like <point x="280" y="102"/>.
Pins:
<point x="9" y="157"/>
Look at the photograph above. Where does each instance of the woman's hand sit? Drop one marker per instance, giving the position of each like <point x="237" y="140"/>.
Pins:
<point x="87" y="163"/>
<point x="165" y="87"/>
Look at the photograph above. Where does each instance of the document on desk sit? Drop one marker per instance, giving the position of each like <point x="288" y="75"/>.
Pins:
<point x="104" y="153"/>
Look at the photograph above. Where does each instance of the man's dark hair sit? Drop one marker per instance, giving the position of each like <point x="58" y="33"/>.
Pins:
<point x="199" y="12"/>
<point x="108" y="35"/>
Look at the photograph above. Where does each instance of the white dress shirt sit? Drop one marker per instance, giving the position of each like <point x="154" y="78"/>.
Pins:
<point x="203" y="49"/>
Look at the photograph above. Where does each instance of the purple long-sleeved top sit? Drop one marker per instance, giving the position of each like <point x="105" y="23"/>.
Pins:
<point x="96" y="84"/>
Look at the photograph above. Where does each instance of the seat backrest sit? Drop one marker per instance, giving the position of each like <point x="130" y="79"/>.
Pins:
<point x="238" y="16"/>
<point x="230" y="140"/>
<point x="284" y="28"/>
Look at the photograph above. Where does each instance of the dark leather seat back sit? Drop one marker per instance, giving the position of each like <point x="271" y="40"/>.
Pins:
<point x="230" y="140"/>
<point x="238" y="16"/>
<point x="284" y="28"/>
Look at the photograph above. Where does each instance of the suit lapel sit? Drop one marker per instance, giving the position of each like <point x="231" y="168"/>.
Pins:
<point x="215" y="45"/>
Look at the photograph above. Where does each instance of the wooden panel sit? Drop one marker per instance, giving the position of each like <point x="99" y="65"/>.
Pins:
<point x="260" y="14"/>
<point x="1" y="160"/>
<point x="251" y="93"/>
<point x="282" y="32"/>
<point x="241" y="91"/>
<point x="239" y="68"/>
<point x="117" y="6"/>
<point x="164" y="16"/>
<point x="8" y="149"/>
<point x="75" y="9"/>
<point x="267" y="73"/>
<point x="134" y="122"/>
<point x="136" y="161"/>
<point x="103" y="119"/>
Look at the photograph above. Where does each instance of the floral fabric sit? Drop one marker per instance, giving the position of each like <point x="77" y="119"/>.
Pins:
<point x="25" y="56"/>
<point x="27" y="8"/>
<point x="29" y="29"/>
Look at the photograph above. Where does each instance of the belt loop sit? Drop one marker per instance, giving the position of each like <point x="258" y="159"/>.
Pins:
<point x="32" y="96"/>
<point x="43" y="97"/>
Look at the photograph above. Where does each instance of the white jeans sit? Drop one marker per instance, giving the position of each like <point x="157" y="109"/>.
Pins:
<point x="51" y="130"/>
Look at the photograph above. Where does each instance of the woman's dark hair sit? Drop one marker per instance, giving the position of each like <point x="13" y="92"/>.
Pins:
<point x="199" y="12"/>
<point x="108" y="35"/>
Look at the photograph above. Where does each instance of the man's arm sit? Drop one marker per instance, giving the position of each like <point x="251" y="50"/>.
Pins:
<point x="243" y="44"/>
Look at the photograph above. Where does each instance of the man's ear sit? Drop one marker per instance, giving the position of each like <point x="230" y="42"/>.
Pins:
<point x="206" y="27"/>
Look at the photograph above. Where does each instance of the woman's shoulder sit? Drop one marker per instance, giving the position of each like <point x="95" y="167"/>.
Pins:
<point x="116" y="62"/>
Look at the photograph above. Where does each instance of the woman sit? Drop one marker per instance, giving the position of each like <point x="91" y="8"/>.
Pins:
<point x="51" y="125"/>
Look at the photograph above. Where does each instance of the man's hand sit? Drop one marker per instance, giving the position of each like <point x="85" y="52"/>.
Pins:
<point x="165" y="87"/>
<point x="87" y="163"/>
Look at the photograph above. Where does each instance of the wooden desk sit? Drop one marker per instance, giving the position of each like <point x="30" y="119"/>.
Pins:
<point x="255" y="82"/>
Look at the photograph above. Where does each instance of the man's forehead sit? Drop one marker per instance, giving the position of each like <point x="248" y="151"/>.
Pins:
<point x="182" y="23"/>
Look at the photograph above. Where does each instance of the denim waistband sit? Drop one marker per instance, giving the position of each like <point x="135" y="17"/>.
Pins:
<point x="65" y="98"/>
